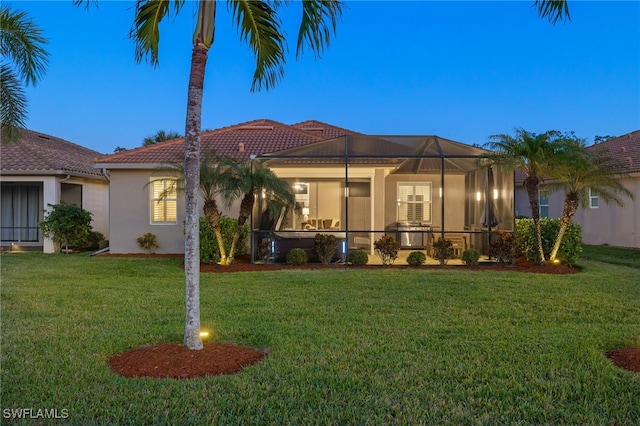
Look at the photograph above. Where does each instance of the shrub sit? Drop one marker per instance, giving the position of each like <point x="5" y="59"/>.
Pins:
<point x="148" y="242"/>
<point x="95" y="241"/>
<point x="570" y="248"/>
<point x="471" y="256"/>
<point x="297" y="256"/>
<point x="416" y="258"/>
<point x="67" y="224"/>
<point x="325" y="246"/>
<point x="504" y="247"/>
<point x="358" y="257"/>
<point x="386" y="249"/>
<point x="209" y="251"/>
<point x="263" y="251"/>
<point x="443" y="250"/>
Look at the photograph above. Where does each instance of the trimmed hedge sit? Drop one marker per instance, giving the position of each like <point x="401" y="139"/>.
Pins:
<point x="297" y="256"/>
<point x="358" y="257"/>
<point x="570" y="248"/>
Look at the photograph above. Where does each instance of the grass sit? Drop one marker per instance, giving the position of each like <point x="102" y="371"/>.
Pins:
<point x="347" y="346"/>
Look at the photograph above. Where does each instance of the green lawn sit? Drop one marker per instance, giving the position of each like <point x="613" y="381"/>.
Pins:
<point x="347" y="346"/>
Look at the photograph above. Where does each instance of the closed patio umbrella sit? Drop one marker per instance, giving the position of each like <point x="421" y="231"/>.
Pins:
<point x="490" y="217"/>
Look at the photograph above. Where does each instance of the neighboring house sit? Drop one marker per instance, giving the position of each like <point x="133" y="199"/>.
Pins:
<point x="354" y="185"/>
<point x="601" y="223"/>
<point x="39" y="170"/>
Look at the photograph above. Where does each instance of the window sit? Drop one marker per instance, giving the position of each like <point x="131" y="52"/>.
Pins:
<point x="164" y="202"/>
<point x="414" y="202"/>
<point x="544" y="203"/>
<point x="21" y="211"/>
<point x="594" y="200"/>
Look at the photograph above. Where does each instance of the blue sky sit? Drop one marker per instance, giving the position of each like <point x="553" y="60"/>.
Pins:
<point x="460" y="70"/>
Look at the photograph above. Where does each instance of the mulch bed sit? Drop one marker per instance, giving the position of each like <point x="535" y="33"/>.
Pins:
<point x="172" y="360"/>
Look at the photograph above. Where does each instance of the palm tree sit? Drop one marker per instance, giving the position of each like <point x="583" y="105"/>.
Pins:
<point x="160" y="136"/>
<point x="245" y="180"/>
<point x="24" y="61"/>
<point x="259" y="26"/>
<point x="528" y="153"/>
<point x="212" y="183"/>
<point x="579" y="171"/>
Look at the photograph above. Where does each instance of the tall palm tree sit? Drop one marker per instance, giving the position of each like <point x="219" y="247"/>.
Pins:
<point x="260" y="26"/>
<point x="528" y="153"/>
<point x="160" y="136"/>
<point x="245" y="181"/>
<point x="24" y="61"/>
<point x="579" y="171"/>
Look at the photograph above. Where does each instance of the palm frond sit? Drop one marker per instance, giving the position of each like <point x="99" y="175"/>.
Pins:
<point x="145" y="31"/>
<point x="22" y="42"/>
<point x="319" y="21"/>
<point x="13" y="104"/>
<point x="260" y="27"/>
<point x="554" y="10"/>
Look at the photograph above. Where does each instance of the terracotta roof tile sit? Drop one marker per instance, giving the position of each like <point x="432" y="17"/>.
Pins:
<point x="625" y="148"/>
<point x="326" y="131"/>
<point x="38" y="153"/>
<point x="239" y="141"/>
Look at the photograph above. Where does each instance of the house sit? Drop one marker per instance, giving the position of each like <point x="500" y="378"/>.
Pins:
<point x="601" y="223"/>
<point x="39" y="170"/>
<point x="353" y="185"/>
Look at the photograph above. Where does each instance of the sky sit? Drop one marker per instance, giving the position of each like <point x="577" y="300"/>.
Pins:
<point x="460" y="70"/>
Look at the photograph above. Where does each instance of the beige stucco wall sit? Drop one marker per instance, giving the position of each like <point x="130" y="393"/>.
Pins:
<point x="607" y="224"/>
<point x="131" y="215"/>
<point x="612" y="224"/>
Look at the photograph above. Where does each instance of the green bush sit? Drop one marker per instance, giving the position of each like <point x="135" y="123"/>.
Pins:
<point x="297" y="256"/>
<point x="67" y="224"/>
<point x="504" y="247"/>
<point x="148" y="242"/>
<point x="442" y="250"/>
<point x="358" y="257"/>
<point x="95" y="241"/>
<point x="386" y="249"/>
<point x="570" y="248"/>
<point x="209" y="251"/>
<point x="416" y="258"/>
<point x="471" y="256"/>
<point x="325" y="246"/>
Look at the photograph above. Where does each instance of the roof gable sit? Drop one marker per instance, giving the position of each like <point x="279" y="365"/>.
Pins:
<point x="41" y="154"/>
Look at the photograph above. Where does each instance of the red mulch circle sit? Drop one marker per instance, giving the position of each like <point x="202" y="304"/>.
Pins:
<point x="172" y="360"/>
<point x="626" y="358"/>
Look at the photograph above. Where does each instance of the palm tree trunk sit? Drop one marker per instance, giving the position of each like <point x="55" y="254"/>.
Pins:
<point x="192" y="339"/>
<point x="245" y="210"/>
<point x="569" y="209"/>
<point x="212" y="214"/>
<point x="531" y="184"/>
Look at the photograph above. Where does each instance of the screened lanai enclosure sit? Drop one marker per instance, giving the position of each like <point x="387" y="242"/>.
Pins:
<point x="358" y="188"/>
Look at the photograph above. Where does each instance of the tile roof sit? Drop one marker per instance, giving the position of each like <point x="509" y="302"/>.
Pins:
<point x="625" y="148"/>
<point x="240" y="141"/>
<point x="40" y="154"/>
<point x="327" y="131"/>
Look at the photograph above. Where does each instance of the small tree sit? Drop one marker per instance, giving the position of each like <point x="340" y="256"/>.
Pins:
<point x="67" y="224"/>
<point x="386" y="249"/>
